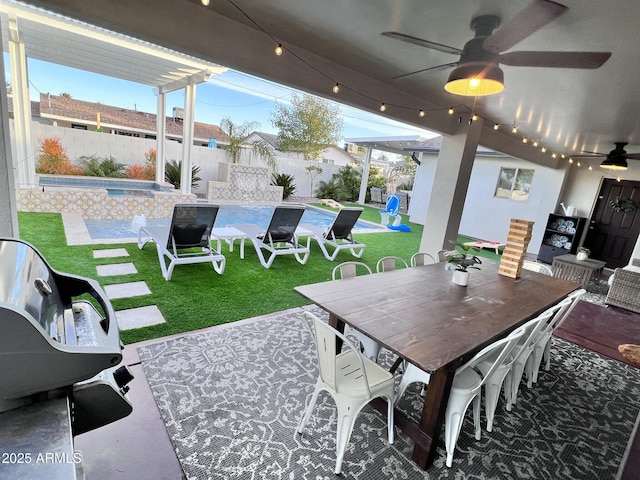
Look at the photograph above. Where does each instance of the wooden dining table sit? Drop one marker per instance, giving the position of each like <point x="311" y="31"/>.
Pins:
<point x="422" y="316"/>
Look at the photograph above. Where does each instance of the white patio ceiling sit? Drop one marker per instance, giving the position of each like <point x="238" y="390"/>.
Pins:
<point x="64" y="41"/>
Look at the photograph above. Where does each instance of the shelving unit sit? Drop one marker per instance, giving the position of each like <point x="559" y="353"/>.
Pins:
<point x="561" y="236"/>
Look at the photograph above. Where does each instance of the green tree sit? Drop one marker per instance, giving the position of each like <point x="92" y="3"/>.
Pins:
<point x="343" y="186"/>
<point x="403" y="169"/>
<point x="308" y="125"/>
<point x="65" y="95"/>
<point x="237" y="135"/>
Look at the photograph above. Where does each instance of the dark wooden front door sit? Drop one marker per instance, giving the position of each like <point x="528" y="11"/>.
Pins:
<point x="612" y="235"/>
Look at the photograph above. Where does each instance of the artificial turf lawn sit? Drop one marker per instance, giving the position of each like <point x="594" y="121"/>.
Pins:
<point x="197" y="297"/>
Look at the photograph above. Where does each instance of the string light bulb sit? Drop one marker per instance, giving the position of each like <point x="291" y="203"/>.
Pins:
<point x="474" y="117"/>
<point x="543" y="149"/>
<point x="421" y="113"/>
<point x="570" y="160"/>
<point x="205" y="2"/>
<point x="336" y="88"/>
<point x="535" y="143"/>
<point x="279" y="50"/>
<point x="524" y="140"/>
<point x="451" y="111"/>
<point x="496" y="126"/>
<point x="553" y="155"/>
<point x="590" y="167"/>
<point x="514" y="129"/>
<point x="383" y="107"/>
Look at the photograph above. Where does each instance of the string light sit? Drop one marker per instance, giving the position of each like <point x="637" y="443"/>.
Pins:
<point x="590" y="167"/>
<point x="205" y="2"/>
<point x="543" y="149"/>
<point x="553" y="155"/>
<point x="279" y="50"/>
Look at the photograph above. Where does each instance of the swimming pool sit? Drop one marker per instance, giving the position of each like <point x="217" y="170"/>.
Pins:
<point x="118" y="184"/>
<point x="228" y="214"/>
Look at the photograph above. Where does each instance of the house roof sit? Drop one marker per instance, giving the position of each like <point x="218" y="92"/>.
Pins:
<point x="56" y="107"/>
<point x="403" y="144"/>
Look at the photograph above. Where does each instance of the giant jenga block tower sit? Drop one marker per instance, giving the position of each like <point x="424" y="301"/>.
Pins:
<point x="517" y="241"/>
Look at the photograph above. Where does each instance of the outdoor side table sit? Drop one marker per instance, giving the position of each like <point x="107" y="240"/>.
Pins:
<point x="229" y="235"/>
<point x="568" y="267"/>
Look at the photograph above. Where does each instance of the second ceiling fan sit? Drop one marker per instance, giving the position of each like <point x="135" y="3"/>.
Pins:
<point x="481" y="56"/>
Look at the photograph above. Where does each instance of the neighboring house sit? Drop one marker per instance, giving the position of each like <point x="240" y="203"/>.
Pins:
<point x="332" y="155"/>
<point x="71" y="113"/>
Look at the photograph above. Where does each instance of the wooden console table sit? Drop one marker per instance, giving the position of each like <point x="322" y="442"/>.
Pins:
<point x="568" y="267"/>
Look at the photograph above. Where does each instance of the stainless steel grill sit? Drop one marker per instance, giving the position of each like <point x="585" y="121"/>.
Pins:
<point x="54" y="340"/>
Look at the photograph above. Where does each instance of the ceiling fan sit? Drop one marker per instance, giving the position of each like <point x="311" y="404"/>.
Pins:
<point x="616" y="159"/>
<point x="482" y="55"/>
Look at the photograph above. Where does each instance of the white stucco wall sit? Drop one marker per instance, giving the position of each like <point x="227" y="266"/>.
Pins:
<point x="487" y="217"/>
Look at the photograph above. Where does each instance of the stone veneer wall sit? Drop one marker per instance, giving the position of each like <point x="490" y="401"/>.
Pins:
<point x="243" y="184"/>
<point x="96" y="204"/>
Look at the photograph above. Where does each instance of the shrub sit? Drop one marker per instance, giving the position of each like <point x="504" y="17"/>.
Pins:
<point x="285" y="181"/>
<point x="343" y="186"/>
<point x="146" y="171"/>
<point x="53" y="159"/>
<point x="94" y="166"/>
<point x="173" y="173"/>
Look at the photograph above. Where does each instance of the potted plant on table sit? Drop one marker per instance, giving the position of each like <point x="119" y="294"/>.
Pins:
<point x="583" y="253"/>
<point x="461" y="262"/>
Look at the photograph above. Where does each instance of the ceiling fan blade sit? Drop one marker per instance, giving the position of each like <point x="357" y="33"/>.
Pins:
<point x="555" y="59"/>
<point x="523" y="24"/>
<point x="423" y="43"/>
<point x="436" y="68"/>
<point x="633" y="156"/>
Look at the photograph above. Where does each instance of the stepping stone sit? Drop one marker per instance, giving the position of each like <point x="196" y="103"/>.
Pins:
<point x="139" y="317"/>
<point x="126" y="290"/>
<point x="110" y="253"/>
<point x="116" y="269"/>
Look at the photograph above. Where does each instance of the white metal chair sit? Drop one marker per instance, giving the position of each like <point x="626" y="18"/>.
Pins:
<point x="420" y="258"/>
<point x="386" y="264"/>
<point x="466" y="387"/>
<point x="348" y="270"/>
<point x="442" y="255"/>
<point x="537" y="267"/>
<point x="495" y="381"/>
<point x="351" y="379"/>
<point x="522" y="353"/>
<point x="542" y="348"/>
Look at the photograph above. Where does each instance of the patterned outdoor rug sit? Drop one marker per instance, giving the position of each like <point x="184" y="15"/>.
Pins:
<point x="232" y="398"/>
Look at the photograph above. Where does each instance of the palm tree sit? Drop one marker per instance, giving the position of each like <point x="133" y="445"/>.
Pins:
<point x="238" y="133"/>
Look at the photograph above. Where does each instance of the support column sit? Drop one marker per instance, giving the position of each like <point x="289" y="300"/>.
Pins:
<point x="362" y="196"/>
<point x="187" y="136"/>
<point x="161" y="135"/>
<point x="23" y="159"/>
<point x="453" y="171"/>
<point x="8" y="204"/>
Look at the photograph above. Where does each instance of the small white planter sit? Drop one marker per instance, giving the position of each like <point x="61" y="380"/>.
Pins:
<point x="582" y="256"/>
<point x="460" y="278"/>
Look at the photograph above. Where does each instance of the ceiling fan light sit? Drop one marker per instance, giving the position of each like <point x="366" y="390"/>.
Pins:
<point x="614" y="163"/>
<point x="475" y="79"/>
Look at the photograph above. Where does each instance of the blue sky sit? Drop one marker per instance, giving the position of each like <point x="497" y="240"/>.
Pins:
<point x="236" y="95"/>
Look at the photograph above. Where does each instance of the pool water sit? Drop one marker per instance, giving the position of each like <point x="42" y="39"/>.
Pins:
<point x="228" y="214"/>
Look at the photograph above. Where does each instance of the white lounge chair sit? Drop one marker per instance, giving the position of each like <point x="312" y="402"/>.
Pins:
<point x="339" y="234"/>
<point x="280" y="237"/>
<point x="186" y="240"/>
